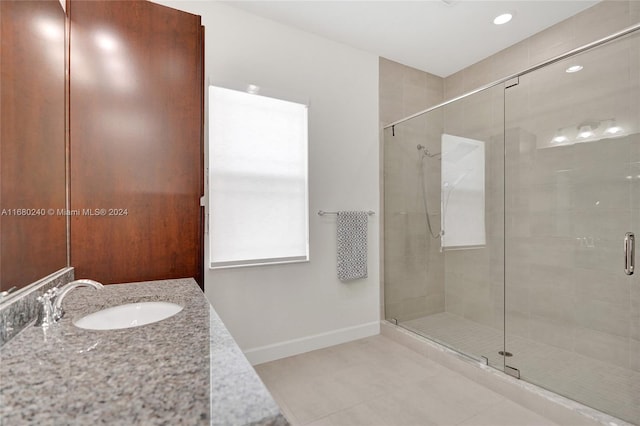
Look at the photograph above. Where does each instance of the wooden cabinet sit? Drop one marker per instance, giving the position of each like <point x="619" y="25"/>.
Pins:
<point x="136" y="150"/>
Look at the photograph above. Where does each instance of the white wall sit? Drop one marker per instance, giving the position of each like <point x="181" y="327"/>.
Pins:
<point x="277" y="311"/>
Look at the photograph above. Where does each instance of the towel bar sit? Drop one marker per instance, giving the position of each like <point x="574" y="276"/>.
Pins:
<point x="322" y="212"/>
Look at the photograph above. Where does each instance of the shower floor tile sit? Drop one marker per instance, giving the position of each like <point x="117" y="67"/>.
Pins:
<point x="606" y="387"/>
<point x="378" y="382"/>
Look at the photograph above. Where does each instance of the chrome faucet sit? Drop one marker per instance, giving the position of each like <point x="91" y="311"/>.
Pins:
<point x="51" y="301"/>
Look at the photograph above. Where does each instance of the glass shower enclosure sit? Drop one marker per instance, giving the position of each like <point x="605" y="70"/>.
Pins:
<point x="508" y="218"/>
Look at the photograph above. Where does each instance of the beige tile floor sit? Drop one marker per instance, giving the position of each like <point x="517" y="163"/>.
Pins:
<point x="378" y="382"/>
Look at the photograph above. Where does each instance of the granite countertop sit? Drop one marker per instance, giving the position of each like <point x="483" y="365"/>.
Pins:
<point x="186" y="369"/>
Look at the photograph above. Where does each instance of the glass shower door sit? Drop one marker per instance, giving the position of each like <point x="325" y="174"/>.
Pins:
<point x="572" y="193"/>
<point x="444" y="223"/>
<point x="472" y="222"/>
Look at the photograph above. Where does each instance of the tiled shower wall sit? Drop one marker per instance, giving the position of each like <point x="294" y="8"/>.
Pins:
<point x="570" y="206"/>
<point x="474" y="277"/>
<point x="558" y="293"/>
<point x="564" y="285"/>
<point x="413" y="276"/>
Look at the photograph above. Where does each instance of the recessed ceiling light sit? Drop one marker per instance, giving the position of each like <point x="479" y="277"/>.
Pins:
<point x="502" y="19"/>
<point x="574" y="68"/>
<point x="253" y="89"/>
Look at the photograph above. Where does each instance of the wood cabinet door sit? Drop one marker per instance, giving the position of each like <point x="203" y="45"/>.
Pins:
<point x="136" y="123"/>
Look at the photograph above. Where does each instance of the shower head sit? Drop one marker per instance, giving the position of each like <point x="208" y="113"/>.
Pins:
<point x="427" y="153"/>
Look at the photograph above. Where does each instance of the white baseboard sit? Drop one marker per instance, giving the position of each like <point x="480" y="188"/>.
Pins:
<point x="292" y="347"/>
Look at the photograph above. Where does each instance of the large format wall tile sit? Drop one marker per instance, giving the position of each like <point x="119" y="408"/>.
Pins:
<point x="413" y="269"/>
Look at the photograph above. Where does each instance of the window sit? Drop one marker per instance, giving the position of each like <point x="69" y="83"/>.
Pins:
<point x="258" y="199"/>
<point x="462" y="196"/>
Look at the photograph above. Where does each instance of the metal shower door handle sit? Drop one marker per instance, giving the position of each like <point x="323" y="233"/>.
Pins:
<point x="629" y="253"/>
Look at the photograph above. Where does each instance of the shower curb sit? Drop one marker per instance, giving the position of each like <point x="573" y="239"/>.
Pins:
<point x="554" y="407"/>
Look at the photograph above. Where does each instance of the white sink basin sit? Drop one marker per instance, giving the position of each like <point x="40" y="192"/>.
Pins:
<point x="127" y="316"/>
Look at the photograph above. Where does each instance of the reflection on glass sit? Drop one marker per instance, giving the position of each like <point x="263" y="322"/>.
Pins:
<point x="552" y="166"/>
<point x="462" y="192"/>
<point x="32" y="105"/>
<point x="569" y="321"/>
<point x="448" y="285"/>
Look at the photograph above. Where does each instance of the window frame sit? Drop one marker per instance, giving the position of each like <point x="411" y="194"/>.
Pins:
<point x="214" y="265"/>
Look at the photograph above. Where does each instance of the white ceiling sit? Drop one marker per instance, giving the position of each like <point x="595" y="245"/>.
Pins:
<point x="426" y="34"/>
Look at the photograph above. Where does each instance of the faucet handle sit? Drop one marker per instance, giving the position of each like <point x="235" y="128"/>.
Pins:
<point x="45" y="314"/>
<point x="52" y="292"/>
<point x="48" y="295"/>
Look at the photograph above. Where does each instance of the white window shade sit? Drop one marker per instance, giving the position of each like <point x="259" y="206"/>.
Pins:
<point x="258" y="179"/>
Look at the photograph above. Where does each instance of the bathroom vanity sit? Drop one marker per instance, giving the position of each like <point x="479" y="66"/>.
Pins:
<point x="185" y="369"/>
